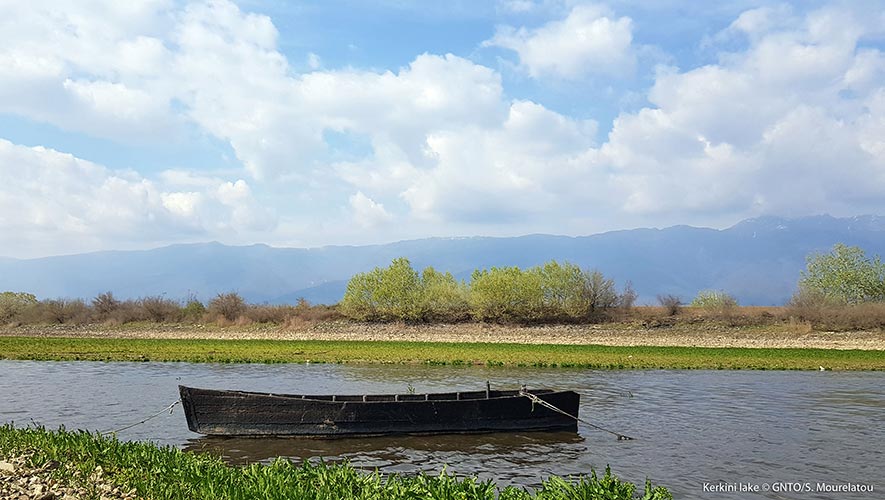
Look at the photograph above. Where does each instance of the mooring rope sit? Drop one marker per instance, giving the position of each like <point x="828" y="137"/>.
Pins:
<point x="536" y="400"/>
<point x="171" y="408"/>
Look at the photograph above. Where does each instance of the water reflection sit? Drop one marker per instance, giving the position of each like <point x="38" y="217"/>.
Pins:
<point x="401" y="453"/>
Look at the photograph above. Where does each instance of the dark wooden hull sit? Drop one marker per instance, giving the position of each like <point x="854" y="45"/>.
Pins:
<point x="238" y="413"/>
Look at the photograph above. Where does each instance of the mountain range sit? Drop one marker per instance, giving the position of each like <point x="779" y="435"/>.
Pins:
<point x="758" y="261"/>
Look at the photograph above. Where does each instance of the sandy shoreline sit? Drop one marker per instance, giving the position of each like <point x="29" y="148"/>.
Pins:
<point x="693" y="335"/>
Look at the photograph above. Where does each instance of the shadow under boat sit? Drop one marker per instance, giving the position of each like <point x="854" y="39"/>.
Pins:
<point x="245" y="450"/>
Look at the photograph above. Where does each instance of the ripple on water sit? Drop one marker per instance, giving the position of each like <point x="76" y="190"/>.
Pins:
<point x="690" y="427"/>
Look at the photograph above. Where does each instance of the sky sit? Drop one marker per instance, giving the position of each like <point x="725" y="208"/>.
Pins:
<point x="137" y="124"/>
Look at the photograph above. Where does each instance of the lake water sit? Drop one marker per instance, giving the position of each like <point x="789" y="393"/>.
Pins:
<point x="726" y="429"/>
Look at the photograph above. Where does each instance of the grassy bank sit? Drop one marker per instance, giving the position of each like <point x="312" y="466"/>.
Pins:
<point x="76" y="458"/>
<point x="442" y="353"/>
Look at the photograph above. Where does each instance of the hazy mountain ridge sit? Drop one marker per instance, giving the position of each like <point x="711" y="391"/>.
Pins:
<point x="758" y="260"/>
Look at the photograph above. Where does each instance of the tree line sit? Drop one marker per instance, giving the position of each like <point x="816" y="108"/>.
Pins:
<point x="224" y="308"/>
<point x="552" y="292"/>
<point x="842" y="289"/>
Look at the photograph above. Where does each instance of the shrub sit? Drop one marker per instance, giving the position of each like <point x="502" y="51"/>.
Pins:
<point x="104" y="304"/>
<point x="671" y="304"/>
<point x="845" y="275"/>
<point x="229" y="306"/>
<point x="714" y="301"/>
<point x="269" y="314"/>
<point x="63" y="311"/>
<point x="160" y="309"/>
<point x="193" y="310"/>
<point x="505" y="294"/>
<point x="394" y="293"/>
<point x="627" y="299"/>
<point x="398" y="295"/>
<point x="129" y="311"/>
<point x="600" y="292"/>
<point x="564" y="291"/>
<point x="359" y="298"/>
<point x="443" y="298"/>
<point x="14" y="304"/>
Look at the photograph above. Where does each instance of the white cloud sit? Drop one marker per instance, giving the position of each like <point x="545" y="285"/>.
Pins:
<point x="790" y="122"/>
<point x="589" y="41"/>
<point x="58" y="203"/>
<point x="366" y="212"/>
<point x="314" y="61"/>
<point x="768" y="130"/>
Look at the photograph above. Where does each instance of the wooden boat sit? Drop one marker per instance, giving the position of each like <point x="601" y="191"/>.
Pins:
<point x="239" y="413"/>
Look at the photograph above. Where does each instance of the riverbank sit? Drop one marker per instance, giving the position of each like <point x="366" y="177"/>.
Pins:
<point x="436" y="353"/>
<point x="650" y="333"/>
<point x="42" y="464"/>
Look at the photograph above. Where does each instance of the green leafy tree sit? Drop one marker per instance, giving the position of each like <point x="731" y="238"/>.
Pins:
<point x="443" y="297"/>
<point x="359" y="297"/>
<point x="505" y="294"/>
<point x="845" y="275"/>
<point x="562" y="288"/>
<point x="398" y="292"/>
<point x="393" y="293"/>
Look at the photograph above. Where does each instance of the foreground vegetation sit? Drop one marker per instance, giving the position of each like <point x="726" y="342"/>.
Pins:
<point x="435" y="353"/>
<point x="167" y="473"/>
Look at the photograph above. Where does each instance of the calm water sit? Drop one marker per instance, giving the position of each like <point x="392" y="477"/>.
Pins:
<point x="690" y="427"/>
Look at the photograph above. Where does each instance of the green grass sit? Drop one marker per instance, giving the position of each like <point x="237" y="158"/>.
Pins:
<point x="163" y="473"/>
<point x="436" y="353"/>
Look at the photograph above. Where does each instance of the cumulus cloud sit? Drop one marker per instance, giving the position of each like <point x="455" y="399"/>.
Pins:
<point x="780" y="127"/>
<point x="55" y="202"/>
<point x="788" y="118"/>
<point x="589" y="41"/>
<point x="366" y="212"/>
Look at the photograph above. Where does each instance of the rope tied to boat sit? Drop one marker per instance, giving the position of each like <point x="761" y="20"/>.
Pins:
<point x="169" y="408"/>
<point x="536" y="400"/>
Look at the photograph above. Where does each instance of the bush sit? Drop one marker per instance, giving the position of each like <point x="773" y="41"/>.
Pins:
<point x="671" y="304"/>
<point x="506" y="294"/>
<point x="359" y="297"/>
<point x="565" y="293"/>
<point x="552" y="292"/>
<point x="845" y="275"/>
<point x="160" y="309"/>
<point x="63" y="311"/>
<point x="443" y="298"/>
<point x="600" y="292"/>
<point x="394" y="293"/>
<point x="715" y="302"/>
<point x="627" y="299"/>
<point x="13" y="305"/>
<point x="229" y="306"/>
<point x="269" y="314"/>
<point x="193" y="310"/>
<point x="104" y="304"/>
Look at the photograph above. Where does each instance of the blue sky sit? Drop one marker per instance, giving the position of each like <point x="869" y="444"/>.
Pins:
<point x="144" y="123"/>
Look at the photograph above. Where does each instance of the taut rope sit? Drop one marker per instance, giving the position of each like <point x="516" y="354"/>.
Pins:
<point x="171" y="407"/>
<point x="545" y="404"/>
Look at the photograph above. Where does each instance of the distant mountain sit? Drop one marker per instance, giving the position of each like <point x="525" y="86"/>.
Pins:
<point x="757" y="260"/>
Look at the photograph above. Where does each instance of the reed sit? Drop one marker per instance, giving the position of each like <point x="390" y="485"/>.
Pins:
<point x="162" y="472"/>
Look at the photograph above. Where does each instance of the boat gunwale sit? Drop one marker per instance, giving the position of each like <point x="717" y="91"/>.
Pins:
<point x="393" y="398"/>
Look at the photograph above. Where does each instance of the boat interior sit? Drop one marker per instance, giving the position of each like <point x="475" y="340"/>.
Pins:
<point x="436" y="396"/>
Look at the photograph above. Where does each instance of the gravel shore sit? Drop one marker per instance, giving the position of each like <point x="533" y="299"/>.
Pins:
<point x="18" y="481"/>
<point x="618" y="334"/>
